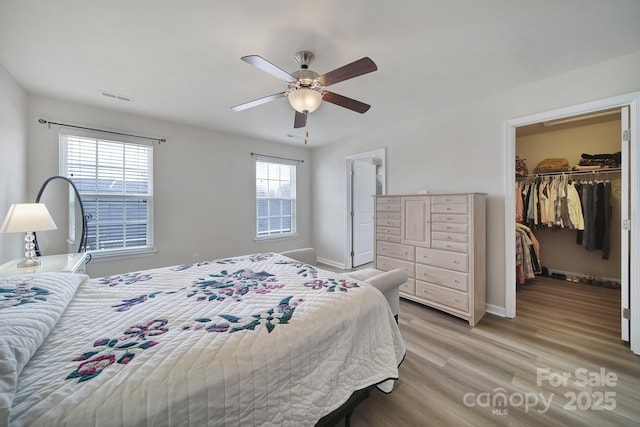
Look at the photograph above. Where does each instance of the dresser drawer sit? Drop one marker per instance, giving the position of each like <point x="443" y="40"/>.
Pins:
<point x="438" y="294"/>
<point x="382" y="200"/>
<point x="439" y="276"/>
<point x="388" y="207"/>
<point x="455" y="218"/>
<point x="450" y="237"/>
<point x="447" y="199"/>
<point x="450" y="246"/>
<point x="388" y="238"/>
<point x="438" y="258"/>
<point x="388" y="230"/>
<point x="408" y="287"/>
<point x="387" y="215"/>
<point x="462" y="209"/>
<point x="388" y="222"/>
<point x="395" y="250"/>
<point x="450" y="227"/>
<point x="386" y="264"/>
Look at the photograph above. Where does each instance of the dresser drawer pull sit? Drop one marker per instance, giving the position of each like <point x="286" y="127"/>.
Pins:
<point x="456" y="299"/>
<point x="456" y="262"/>
<point x="449" y="237"/>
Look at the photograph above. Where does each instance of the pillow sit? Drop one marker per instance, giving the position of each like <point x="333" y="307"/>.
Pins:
<point x="30" y="306"/>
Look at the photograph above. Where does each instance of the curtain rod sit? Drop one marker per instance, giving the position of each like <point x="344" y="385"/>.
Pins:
<point x="43" y="121"/>
<point x="276" y="157"/>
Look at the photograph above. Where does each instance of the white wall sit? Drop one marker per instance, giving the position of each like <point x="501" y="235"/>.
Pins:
<point x="13" y="140"/>
<point x="460" y="149"/>
<point x="204" y="190"/>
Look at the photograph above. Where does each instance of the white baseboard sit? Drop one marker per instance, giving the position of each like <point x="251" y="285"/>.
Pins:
<point x="332" y="263"/>
<point x="497" y="310"/>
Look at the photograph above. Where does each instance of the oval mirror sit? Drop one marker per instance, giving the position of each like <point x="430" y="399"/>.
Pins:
<point x="61" y="197"/>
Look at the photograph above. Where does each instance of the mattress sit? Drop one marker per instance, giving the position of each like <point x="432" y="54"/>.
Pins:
<point x="255" y="340"/>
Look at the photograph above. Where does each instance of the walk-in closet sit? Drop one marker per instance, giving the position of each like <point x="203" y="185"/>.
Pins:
<point x="568" y="202"/>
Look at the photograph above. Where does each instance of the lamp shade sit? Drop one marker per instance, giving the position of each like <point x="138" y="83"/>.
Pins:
<point x="305" y="100"/>
<point x="26" y="217"/>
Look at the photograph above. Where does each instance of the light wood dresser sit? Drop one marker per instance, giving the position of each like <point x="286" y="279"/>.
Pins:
<point x="440" y="241"/>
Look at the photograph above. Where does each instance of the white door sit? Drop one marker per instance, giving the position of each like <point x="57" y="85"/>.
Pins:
<point x="364" y="188"/>
<point x="625" y="234"/>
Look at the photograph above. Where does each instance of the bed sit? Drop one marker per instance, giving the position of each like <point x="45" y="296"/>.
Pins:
<point x="261" y="339"/>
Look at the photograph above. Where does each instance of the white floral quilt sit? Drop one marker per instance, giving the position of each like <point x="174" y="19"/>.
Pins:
<point x="256" y="340"/>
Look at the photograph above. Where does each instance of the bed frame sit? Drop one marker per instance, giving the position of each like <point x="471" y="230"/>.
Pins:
<point x="346" y="410"/>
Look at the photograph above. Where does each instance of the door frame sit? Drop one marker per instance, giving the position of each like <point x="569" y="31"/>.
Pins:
<point x="633" y="101"/>
<point x="348" y="242"/>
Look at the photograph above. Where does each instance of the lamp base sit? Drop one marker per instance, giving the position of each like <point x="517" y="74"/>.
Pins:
<point x="29" y="262"/>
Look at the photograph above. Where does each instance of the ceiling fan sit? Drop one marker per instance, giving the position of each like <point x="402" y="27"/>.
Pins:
<point x="307" y="89"/>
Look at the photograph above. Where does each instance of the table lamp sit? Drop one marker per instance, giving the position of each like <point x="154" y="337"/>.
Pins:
<point x="27" y="218"/>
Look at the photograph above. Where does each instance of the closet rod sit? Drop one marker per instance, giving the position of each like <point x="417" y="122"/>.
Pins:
<point x="43" y="121"/>
<point x="571" y="173"/>
<point x="276" y="157"/>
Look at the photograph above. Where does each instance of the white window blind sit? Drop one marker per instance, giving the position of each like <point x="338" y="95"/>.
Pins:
<point x="275" y="199"/>
<point x="114" y="179"/>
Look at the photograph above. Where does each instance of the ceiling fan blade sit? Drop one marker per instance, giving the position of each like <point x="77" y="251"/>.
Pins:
<point x="349" y="71"/>
<point x="266" y="66"/>
<point x="300" y="120"/>
<point x="343" y="101"/>
<point x="258" y="101"/>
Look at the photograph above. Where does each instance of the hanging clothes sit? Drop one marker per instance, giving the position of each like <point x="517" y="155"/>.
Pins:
<point x="551" y="202"/>
<point x="608" y="210"/>
<point x="519" y="202"/>
<point x="574" y="207"/>
<point x="527" y="254"/>
<point x="557" y="202"/>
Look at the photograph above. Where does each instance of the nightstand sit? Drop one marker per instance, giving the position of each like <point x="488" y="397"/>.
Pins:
<point x="70" y="263"/>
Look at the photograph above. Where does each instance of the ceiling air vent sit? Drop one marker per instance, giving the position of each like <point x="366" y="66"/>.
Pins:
<point x="116" y="96"/>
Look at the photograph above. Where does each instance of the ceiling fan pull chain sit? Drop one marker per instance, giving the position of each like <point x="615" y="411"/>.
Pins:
<point x="307" y="134"/>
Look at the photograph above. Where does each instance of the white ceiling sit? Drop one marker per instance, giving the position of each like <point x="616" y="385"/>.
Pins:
<point x="180" y="60"/>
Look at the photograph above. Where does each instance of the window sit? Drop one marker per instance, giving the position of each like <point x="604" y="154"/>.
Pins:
<point x="275" y="199"/>
<point x="114" y="179"/>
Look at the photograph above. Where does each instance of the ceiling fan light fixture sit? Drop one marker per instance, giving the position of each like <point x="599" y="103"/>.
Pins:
<point x="305" y="100"/>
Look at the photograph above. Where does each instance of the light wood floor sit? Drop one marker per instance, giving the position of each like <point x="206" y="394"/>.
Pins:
<point x="453" y="373"/>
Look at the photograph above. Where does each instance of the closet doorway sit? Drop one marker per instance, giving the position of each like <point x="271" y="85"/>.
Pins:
<point x="626" y="109"/>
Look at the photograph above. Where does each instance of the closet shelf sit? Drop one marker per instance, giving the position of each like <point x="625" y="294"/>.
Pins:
<point x="596" y="172"/>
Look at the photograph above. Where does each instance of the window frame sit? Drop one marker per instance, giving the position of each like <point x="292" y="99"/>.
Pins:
<point x="272" y="235"/>
<point x="120" y="252"/>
